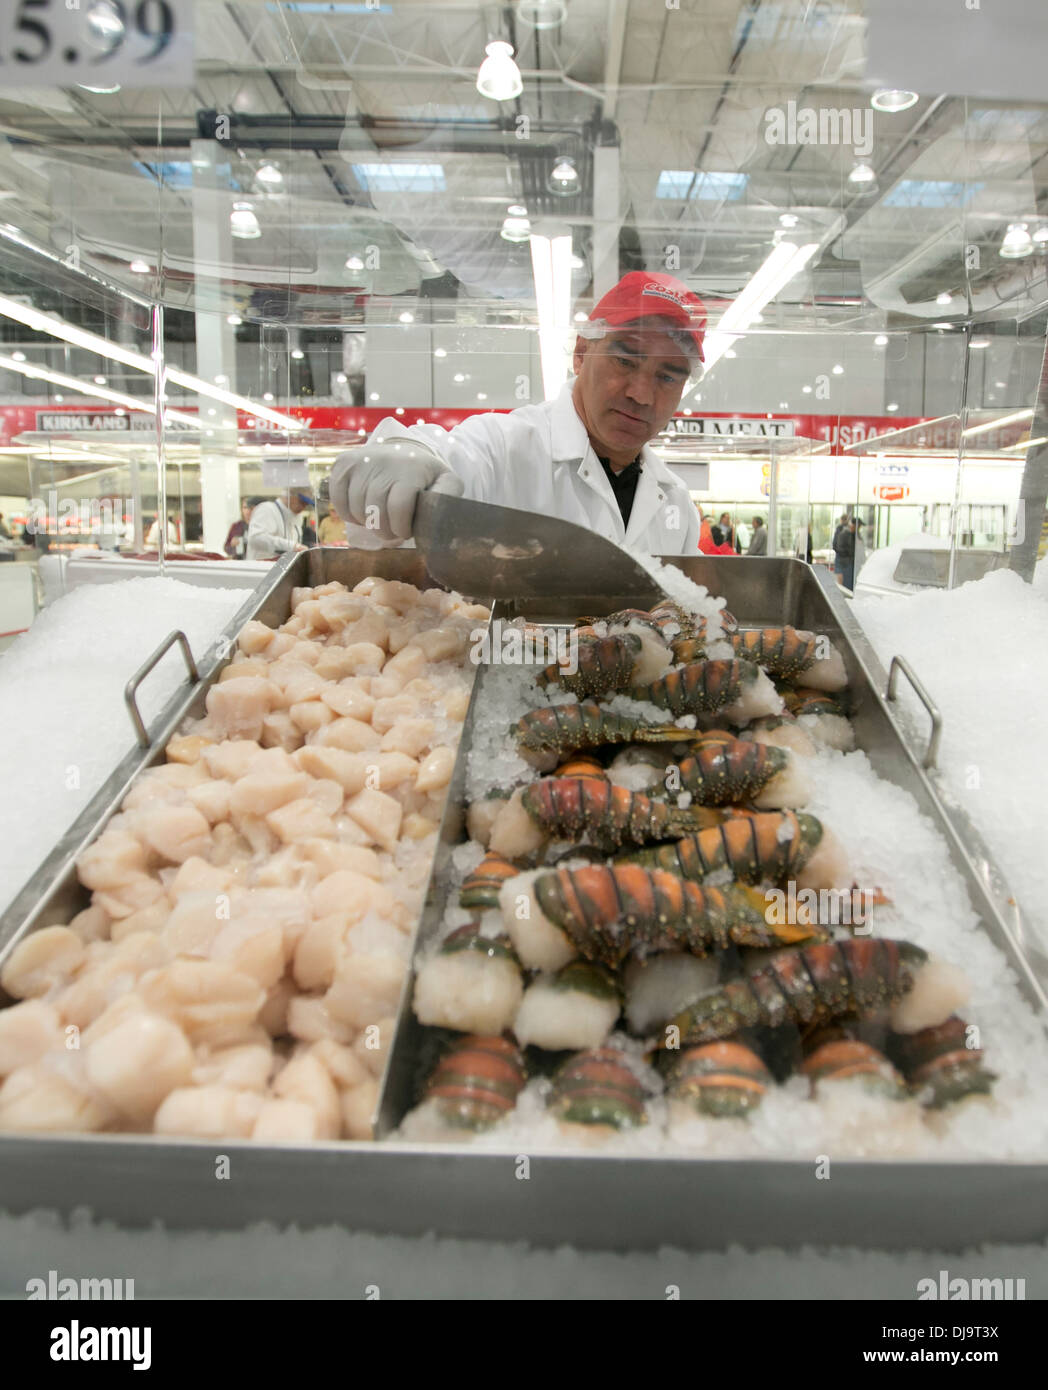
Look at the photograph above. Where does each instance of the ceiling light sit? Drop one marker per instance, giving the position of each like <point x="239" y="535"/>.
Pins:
<point x="784" y="405"/>
<point x="788" y="219"/>
<point x="541" y="14"/>
<point x="440" y="352"/>
<point x="341" y="378"/>
<point x="1017" y="242"/>
<point x="267" y="395"/>
<point x="806" y="390"/>
<point x="18" y="356"/>
<point x="99" y="380"/>
<point x="354" y="263"/>
<point x="374" y="396"/>
<point x="459" y="376"/>
<point x="406" y="317"/>
<point x="270" y="174"/>
<point x="59" y="398"/>
<point x="564" y="178"/>
<point x="234" y="320"/>
<point x="942" y="325"/>
<point x="99" y="91"/>
<point x="862" y="173"/>
<point x="482" y="396"/>
<point x="944" y="298"/>
<point x="517" y="210"/>
<point x="515" y="229"/>
<point x="978" y="343"/>
<point x="881" y="340"/>
<point x="297" y="354"/>
<point x="551" y="267"/>
<point x="221" y="379"/>
<point x="1041" y="234"/>
<point x="139" y="266"/>
<point x="838" y="370"/>
<point x="891" y="99"/>
<point x="892" y="406"/>
<point x="499" y="77"/>
<point x="1000" y="385"/>
<point x="1012" y="419"/>
<point x="399" y="410"/>
<point x="104" y="26"/>
<point x="243" y="223"/>
<point x="581" y="317"/>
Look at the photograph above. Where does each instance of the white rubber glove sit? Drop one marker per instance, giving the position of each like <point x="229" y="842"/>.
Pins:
<point x="377" y="485"/>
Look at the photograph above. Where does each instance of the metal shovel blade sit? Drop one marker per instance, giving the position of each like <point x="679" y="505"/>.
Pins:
<point x="491" y="552"/>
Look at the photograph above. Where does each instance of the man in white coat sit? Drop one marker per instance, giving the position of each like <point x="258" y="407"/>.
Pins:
<point x="583" y="457"/>
<point x="275" y="528"/>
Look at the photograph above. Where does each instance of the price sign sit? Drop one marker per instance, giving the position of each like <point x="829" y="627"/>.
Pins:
<point x="96" y="43"/>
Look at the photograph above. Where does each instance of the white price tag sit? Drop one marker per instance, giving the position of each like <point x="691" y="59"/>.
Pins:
<point x="96" y="43"/>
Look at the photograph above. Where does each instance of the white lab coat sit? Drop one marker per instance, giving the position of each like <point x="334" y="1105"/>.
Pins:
<point x="539" y="459"/>
<point x="272" y="530"/>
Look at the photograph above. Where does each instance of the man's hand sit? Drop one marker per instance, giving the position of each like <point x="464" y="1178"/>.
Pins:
<point x="377" y="486"/>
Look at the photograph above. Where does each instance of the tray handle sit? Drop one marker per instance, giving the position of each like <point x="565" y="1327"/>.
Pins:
<point x="131" y="688"/>
<point x="898" y="664"/>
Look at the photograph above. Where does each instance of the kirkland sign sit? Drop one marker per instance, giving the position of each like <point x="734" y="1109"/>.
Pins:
<point x="709" y="427"/>
<point x="62" y="421"/>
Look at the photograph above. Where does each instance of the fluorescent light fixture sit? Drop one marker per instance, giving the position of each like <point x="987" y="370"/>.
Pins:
<point x="297" y="354"/>
<point x="806" y="390"/>
<point x="459" y="376"/>
<point x="997" y="424"/>
<point x="374" y="396"/>
<point x="892" y="99"/>
<point x="499" y="77"/>
<point x="406" y="317"/>
<point x="243" y="223"/>
<point x="401" y="178"/>
<point x="139" y="266"/>
<point x="269" y="174"/>
<point x="99" y="91"/>
<point x="881" y="340"/>
<point x="788" y="219"/>
<point x="551" y="266"/>
<point x="234" y="320"/>
<point x="482" y="395"/>
<point x="100" y="381"/>
<point x="18" y="356"/>
<point x="95" y="392"/>
<point x="945" y="298"/>
<point x="892" y="406"/>
<point x="784" y="262"/>
<point x="440" y="352"/>
<point x="1026" y="443"/>
<point x="516" y="210"/>
<point x="116" y="352"/>
<point x="978" y="343"/>
<point x="862" y="173"/>
<point x="838" y="370"/>
<point x="1017" y="242"/>
<point x="341" y="378"/>
<point x="354" y="263"/>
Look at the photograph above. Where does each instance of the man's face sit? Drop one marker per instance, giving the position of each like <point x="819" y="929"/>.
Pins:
<point x="628" y="386"/>
<point x="296" y="504"/>
<point x="246" y="510"/>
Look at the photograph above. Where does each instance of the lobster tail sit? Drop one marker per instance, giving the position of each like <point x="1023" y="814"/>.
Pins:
<point x="729" y="769"/>
<point x="480" y="889"/>
<point x="698" y="688"/>
<point x="772" y="846"/>
<point x="939" y="1065"/>
<point x="598" y="1088"/>
<point x="783" y="651"/>
<point x="846" y="1059"/>
<point x="476" y="1083"/>
<point x="722" y="1079"/>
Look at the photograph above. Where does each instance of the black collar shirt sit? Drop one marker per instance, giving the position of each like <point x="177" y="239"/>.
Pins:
<point x="623" y="485"/>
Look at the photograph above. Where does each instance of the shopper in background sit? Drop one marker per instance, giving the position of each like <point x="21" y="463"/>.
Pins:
<point x="724" y="533"/>
<point x="844" y="552"/>
<point x="152" y="540"/>
<point x="309" y="531"/>
<point x="5" y="532"/>
<point x="236" y="541"/>
<point x="708" y="542"/>
<point x="860" y="550"/>
<point x="759" y="540"/>
<point x="841" y="527"/>
<point x="332" y="530"/>
<point x="583" y="457"/>
<point x="274" y="526"/>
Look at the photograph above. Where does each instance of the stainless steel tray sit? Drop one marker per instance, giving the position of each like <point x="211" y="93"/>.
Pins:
<point x="584" y="1199"/>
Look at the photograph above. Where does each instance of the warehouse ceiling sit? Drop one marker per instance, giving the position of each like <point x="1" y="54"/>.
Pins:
<point x="388" y="154"/>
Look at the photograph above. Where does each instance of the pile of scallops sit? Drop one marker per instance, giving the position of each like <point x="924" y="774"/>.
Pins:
<point x="252" y="904"/>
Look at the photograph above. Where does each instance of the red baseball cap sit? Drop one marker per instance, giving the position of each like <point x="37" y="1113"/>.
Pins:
<point x="642" y="294"/>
